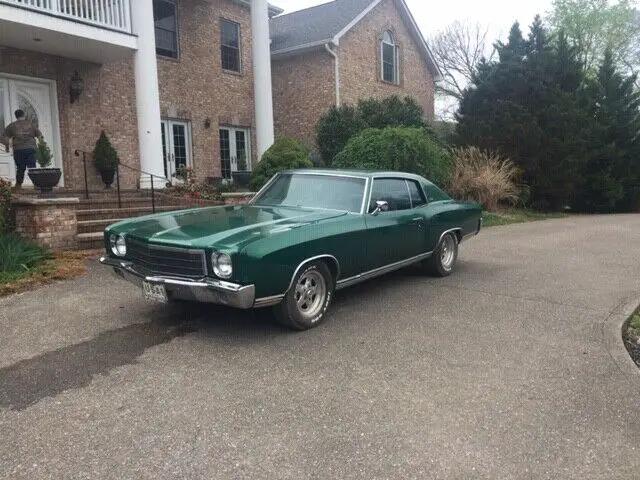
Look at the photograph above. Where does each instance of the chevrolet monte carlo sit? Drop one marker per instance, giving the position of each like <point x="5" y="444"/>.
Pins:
<point x="305" y="234"/>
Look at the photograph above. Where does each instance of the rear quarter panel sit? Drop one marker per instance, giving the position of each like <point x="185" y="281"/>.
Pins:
<point x="451" y="214"/>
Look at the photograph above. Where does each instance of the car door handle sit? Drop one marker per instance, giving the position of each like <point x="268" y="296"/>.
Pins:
<point x="417" y="220"/>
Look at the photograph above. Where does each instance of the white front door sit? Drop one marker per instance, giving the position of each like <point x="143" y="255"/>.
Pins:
<point x="36" y="100"/>
<point x="234" y="143"/>
<point x="176" y="146"/>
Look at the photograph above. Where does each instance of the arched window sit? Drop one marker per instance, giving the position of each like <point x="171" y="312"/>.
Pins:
<point x="389" y="57"/>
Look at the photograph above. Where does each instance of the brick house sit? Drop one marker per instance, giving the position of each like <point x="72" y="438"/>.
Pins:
<point x="171" y="82"/>
<point x="196" y="82"/>
<point x="340" y="52"/>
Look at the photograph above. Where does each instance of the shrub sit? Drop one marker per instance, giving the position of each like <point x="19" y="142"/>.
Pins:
<point x="336" y="127"/>
<point x="105" y="155"/>
<point x="43" y="154"/>
<point x="484" y="177"/>
<point x="406" y="149"/>
<point x="284" y="154"/>
<point x="5" y="204"/>
<point x="17" y="254"/>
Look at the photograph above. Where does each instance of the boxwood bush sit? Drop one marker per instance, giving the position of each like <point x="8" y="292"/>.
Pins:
<point x="284" y="154"/>
<point x="406" y="149"/>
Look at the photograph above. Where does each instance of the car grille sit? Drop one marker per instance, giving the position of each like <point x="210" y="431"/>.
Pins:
<point x="166" y="260"/>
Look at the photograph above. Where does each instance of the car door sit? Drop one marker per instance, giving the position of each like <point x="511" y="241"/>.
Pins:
<point x="396" y="234"/>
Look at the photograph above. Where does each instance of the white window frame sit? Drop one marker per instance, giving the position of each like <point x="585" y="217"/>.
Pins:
<point x="169" y="160"/>
<point x="396" y="57"/>
<point x="233" y="149"/>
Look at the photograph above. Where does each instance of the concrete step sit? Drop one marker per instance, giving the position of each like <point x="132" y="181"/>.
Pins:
<point x="108" y="213"/>
<point x="93" y="226"/>
<point x="90" y="241"/>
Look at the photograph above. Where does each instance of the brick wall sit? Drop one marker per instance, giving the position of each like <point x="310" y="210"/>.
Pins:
<point x="303" y="89"/>
<point x="196" y="88"/>
<point x="303" y="86"/>
<point x="51" y="223"/>
<point x="108" y="103"/>
<point x="360" y="70"/>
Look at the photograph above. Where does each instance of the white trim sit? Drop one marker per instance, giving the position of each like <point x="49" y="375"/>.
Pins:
<point x="355" y="21"/>
<point x="438" y="74"/>
<point x="55" y="115"/>
<point x="336" y="75"/>
<point x="301" y="47"/>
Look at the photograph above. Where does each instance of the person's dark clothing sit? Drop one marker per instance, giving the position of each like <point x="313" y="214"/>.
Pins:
<point x="24" y="158"/>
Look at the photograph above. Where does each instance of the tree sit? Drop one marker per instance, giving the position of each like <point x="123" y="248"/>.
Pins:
<point x="528" y="106"/>
<point x="612" y="175"/>
<point x="458" y="50"/>
<point x="595" y="25"/>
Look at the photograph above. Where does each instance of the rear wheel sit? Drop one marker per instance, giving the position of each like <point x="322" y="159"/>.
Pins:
<point x="309" y="297"/>
<point x="441" y="263"/>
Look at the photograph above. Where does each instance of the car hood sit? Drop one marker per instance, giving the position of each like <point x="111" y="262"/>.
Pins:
<point x="230" y="227"/>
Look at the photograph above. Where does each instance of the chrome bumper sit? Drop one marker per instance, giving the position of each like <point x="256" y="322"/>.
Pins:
<point x="205" y="290"/>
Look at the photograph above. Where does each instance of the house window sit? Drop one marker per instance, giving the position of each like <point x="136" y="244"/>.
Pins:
<point x="235" y="150"/>
<point x="165" y="17"/>
<point x="230" y="45"/>
<point x="389" y="57"/>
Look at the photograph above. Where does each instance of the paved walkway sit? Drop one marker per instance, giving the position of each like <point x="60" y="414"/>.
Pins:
<point x="511" y="368"/>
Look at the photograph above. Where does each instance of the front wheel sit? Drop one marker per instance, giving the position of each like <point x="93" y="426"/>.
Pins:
<point x="309" y="297"/>
<point x="441" y="263"/>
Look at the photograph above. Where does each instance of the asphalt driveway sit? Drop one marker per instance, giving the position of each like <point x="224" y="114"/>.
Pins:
<point x="511" y="368"/>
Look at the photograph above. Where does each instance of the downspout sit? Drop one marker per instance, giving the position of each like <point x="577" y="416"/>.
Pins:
<point x="337" y="71"/>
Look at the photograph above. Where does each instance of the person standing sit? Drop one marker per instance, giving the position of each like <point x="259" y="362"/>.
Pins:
<point x="22" y="135"/>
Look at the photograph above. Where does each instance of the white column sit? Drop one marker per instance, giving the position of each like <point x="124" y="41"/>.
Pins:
<point x="262" y="75"/>
<point x="147" y="93"/>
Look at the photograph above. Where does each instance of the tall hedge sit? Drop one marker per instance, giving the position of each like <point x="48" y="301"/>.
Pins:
<point x="284" y="154"/>
<point x="406" y="149"/>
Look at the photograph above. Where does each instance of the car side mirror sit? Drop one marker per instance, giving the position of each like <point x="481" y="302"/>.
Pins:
<point x="381" y="206"/>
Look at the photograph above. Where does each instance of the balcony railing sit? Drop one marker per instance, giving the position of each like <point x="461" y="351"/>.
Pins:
<point x="112" y="14"/>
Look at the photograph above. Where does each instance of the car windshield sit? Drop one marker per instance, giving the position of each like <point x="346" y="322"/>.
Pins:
<point x="315" y="191"/>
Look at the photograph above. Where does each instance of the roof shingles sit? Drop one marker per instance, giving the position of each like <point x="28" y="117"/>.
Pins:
<point x="315" y="24"/>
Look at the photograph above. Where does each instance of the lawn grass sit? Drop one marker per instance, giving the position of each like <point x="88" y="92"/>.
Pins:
<point x="509" y="216"/>
<point x="63" y="266"/>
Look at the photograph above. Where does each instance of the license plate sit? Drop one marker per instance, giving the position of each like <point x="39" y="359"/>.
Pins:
<point x="154" y="292"/>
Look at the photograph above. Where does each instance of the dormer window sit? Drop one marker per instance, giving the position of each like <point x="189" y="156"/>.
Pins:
<point x="389" y="57"/>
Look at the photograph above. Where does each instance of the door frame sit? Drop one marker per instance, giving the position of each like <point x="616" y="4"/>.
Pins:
<point x="233" y="159"/>
<point x="167" y="124"/>
<point x="56" y="142"/>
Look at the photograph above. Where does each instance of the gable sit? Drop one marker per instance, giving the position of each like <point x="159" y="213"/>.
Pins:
<point x="326" y="24"/>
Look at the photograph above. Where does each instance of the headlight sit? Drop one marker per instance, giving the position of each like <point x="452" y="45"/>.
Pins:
<point x="118" y="245"/>
<point x="222" y="265"/>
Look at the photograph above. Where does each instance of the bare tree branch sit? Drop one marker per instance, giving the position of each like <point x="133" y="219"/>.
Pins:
<point x="458" y="49"/>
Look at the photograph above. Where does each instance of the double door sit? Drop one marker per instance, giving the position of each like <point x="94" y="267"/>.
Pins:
<point x="176" y="146"/>
<point x="36" y="100"/>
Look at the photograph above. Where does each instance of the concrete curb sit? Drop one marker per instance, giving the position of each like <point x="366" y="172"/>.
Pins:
<point x="612" y="335"/>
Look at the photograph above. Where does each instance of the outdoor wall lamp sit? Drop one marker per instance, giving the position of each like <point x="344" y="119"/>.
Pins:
<point x="76" y="87"/>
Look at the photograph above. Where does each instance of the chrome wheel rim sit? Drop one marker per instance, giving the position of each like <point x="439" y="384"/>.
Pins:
<point x="310" y="294"/>
<point x="447" y="253"/>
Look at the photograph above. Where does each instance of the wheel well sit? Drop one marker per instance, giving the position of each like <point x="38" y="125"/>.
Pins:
<point x="333" y="266"/>
<point x="459" y="235"/>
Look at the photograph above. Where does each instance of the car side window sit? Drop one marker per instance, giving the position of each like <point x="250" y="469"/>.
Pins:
<point x="417" y="197"/>
<point x="391" y="190"/>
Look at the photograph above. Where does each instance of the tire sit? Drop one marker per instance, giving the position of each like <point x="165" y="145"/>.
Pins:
<point x="309" y="297"/>
<point x="444" y="258"/>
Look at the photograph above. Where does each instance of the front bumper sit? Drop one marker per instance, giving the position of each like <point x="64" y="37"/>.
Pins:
<point x="206" y="290"/>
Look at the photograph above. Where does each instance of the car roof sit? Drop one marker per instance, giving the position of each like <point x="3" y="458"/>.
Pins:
<point x="357" y="173"/>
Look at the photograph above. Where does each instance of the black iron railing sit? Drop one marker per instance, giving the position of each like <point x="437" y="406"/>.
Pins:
<point x="153" y="179"/>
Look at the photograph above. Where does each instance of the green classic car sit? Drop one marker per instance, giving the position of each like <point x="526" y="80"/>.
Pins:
<point x="305" y="234"/>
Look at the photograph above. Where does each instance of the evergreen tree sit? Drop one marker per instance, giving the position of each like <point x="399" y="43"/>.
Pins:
<point x="612" y="175"/>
